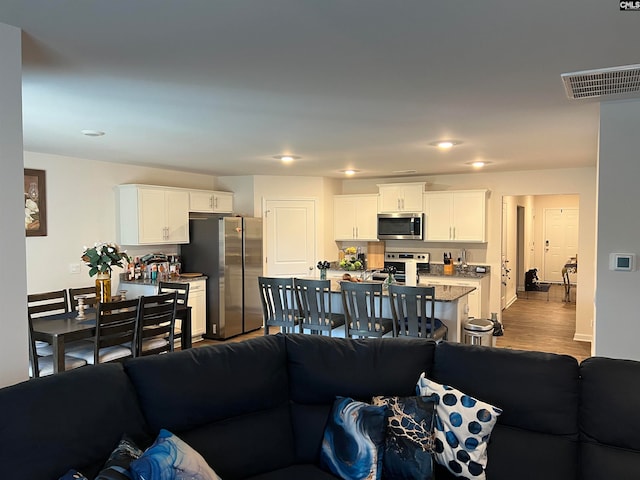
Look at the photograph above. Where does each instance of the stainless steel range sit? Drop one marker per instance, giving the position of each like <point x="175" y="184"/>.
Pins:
<point x="408" y="265"/>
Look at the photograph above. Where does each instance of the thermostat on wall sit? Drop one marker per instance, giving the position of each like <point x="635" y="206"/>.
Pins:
<point x="622" y="262"/>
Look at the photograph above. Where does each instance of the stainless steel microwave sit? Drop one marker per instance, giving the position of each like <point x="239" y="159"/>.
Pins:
<point x="400" y="226"/>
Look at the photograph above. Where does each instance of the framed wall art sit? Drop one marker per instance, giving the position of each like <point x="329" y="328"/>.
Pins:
<point x="35" y="203"/>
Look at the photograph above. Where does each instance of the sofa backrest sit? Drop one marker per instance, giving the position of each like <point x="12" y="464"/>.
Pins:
<point x="69" y="420"/>
<point x="536" y="436"/>
<point x="321" y="368"/>
<point x="609" y="419"/>
<point x="230" y="402"/>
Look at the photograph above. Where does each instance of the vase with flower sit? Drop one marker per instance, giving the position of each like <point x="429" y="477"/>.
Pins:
<point x="323" y="266"/>
<point x="101" y="258"/>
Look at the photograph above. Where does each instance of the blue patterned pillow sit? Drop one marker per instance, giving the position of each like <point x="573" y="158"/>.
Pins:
<point x="463" y="427"/>
<point x="73" y="474"/>
<point x="353" y="440"/>
<point x="169" y="458"/>
<point x="409" y="442"/>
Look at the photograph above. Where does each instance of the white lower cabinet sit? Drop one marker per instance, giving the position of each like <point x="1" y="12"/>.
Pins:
<point x="198" y="303"/>
<point x="478" y="300"/>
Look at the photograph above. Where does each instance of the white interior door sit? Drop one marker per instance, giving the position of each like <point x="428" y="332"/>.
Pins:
<point x="290" y="237"/>
<point x="560" y="240"/>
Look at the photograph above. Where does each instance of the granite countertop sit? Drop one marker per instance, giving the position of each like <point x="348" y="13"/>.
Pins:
<point x="443" y="293"/>
<point x="148" y="281"/>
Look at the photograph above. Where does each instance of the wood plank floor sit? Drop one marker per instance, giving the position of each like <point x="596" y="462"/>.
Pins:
<point x="529" y="324"/>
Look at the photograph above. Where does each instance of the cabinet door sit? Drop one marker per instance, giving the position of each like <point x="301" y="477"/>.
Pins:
<point x="390" y="198"/>
<point x="201" y="202"/>
<point x="198" y="304"/>
<point x="367" y="218"/>
<point x="344" y="217"/>
<point x="469" y="213"/>
<point x="438" y="209"/>
<point x="151" y="216"/>
<point x="222" y="202"/>
<point x="411" y="199"/>
<point x="177" y="216"/>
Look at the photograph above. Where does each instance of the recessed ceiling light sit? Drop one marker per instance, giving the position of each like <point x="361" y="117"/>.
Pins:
<point x="92" y="133"/>
<point x="478" y="163"/>
<point x="445" y="144"/>
<point x="349" y="171"/>
<point x="286" y="158"/>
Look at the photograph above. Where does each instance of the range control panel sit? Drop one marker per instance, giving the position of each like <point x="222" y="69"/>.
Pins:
<point x="399" y="256"/>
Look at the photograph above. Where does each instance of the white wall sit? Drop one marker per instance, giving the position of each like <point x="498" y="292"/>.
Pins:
<point x="579" y="181"/>
<point x="81" y="211"/>
<point x="617" y="325"/>
<point x="13" y="341"/>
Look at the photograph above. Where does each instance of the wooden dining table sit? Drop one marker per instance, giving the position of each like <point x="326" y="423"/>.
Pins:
<point x="63" y="328"/>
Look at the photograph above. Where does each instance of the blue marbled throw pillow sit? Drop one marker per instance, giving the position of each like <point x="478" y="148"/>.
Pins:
<point x="353" y="440"/>
<point x="410" y="438"/>
<point x="169" y="458"/>
<point x="463" y="427"/>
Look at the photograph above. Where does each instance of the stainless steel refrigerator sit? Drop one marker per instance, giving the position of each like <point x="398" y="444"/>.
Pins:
<point x="229" y="251"/>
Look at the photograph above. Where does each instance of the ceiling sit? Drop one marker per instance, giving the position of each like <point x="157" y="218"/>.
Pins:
<point x="221" y="86"/>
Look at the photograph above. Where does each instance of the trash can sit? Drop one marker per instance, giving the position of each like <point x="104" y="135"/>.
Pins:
<point x="478" y="331"/>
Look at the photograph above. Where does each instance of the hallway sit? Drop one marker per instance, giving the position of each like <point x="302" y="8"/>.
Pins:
<point x="535" y="324"/>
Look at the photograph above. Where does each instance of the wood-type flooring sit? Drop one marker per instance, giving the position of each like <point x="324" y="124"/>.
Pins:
<point x="529" y="324"/>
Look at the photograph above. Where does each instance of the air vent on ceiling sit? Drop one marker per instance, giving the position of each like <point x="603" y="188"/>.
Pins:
<point x="619" y="81"/>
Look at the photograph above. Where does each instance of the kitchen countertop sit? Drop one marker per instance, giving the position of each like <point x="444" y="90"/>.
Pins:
<point x="443" y="293"/>
<point x="148" y="281"/>
<point x="437" y="270"/>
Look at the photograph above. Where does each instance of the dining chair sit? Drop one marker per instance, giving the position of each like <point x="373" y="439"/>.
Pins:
<point x="314" y="301"/>
<point x="115" y="337"/>
<point x="88" y="292"/>
<point x="46" y="303"/>
<point x="278" y="304"/>
<point x="362" y="305"/>
<point x="40" y="364"/>
<point x="182" y="288"/>
<point x="156" y="323"/>
<point x="413" y="310"/>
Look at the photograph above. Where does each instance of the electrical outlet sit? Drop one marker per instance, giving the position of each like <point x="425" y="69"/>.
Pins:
<point x="74" y="268"/>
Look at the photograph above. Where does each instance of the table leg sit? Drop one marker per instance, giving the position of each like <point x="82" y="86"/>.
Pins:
<point x="58" y="354"/>
<point x="185" y="341"/>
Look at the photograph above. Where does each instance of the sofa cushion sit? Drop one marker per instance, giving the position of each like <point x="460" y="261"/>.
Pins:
<point x="322" y="368"/>
<point x="353" y="441"/>
<point x="539" y="396"/>
<point x="609" y="420"/>
<point x="296" y="472"/>
<point x="463" y="428"/>
<point x="223" y="400"/>
<point x="68" y="420"/>
<point x="408" y="444"/>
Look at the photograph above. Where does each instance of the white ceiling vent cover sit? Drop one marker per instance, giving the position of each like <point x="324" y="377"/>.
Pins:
<point x="618" y="81"/>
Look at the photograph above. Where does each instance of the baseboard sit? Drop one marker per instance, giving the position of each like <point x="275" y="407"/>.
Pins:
<point x="510" y="302"/>
<point x="583" y="337"/>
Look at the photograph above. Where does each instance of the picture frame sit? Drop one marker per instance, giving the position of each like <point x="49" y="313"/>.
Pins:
<point x="35" y="203"/>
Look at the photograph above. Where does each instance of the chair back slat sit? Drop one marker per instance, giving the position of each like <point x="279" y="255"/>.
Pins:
<point x="278" y="303"/>
<point x="362" y="304"/>
<point x="157" y="320"/>
<point x="47" y="303"/>
<point x="182" y="289"/>
<point x="116" y="324"/>
<point x="413" y="310"/>
<point x="314" y="301"/>
<point x="88" y="292"/>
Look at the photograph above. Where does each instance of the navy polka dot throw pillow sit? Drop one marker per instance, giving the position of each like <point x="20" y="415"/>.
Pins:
<point x="462" y="429"/>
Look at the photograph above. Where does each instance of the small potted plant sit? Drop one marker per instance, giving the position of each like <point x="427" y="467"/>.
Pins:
<point x="323" y="266"/>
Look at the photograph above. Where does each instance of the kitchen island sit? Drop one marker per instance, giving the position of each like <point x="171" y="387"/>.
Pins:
<point x="451" y="305"/>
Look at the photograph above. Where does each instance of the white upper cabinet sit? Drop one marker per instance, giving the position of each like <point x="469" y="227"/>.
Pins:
<point x="355" y="217"/>
<point x="456" y="216"/>
<point x="151" y="215"/>
<point x="400" y="197"/>
<point x="207" y="201"/>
